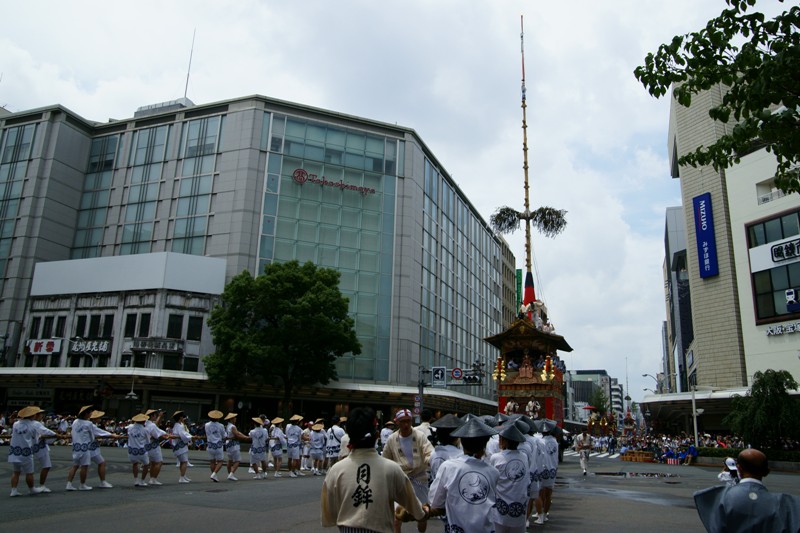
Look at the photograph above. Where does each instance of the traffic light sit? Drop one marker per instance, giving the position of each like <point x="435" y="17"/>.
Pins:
<point x="472" y="379"/>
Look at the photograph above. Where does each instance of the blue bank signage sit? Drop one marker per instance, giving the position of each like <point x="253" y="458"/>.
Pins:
<point x="706" y="242"/>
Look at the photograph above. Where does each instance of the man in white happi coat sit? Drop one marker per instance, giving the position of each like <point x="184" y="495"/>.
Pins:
<point x="259" y="438"/>
<point x="511" y="504"/>
<point x="138" y="442"/>
<point x="335" y="434"/>
<point x="549" y="468"/>
<point x="465" y="486"/>
<point x="41" y="449"/>
<point x="83" y="444"/>
<point x="24" y="436"/>
<point x="294" y="437"/>
<point x="447" y="447"/>
<point x="215" y="442"/>
<point x="156" y="434"/>
<point x="96" y="455"/>
<point x="233" y="448"/>
<point x="277" y="440"/>
<point x="181" y="439"/>
<point x="318" y="442"/>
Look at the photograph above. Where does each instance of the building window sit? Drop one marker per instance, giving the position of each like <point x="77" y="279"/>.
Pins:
<point x="194" y="331"/>
<point x="108" y="327"/>
<point x="172" y="361"/>
<point x="191" y="364"/>
<point x="94" y="326"/>
<point x="35" y="325"/>
<point x="61" y="326"/>
<point x="95" y="198"/>
<point x="175" y="326"/>
<point x="775" y="262"/>
<point x="130" y="326"/>
<point x="144" y="325"/>
<point x="47" y="327"/>
<point x="80" y="326"/>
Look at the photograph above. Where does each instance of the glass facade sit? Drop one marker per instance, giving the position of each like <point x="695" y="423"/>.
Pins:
<point x="148" y="153"/>
<point x="461" y="279"/>
<point x="329" y="198"/>
<point x="94" y="200"/>
<point x="15" y="151"/>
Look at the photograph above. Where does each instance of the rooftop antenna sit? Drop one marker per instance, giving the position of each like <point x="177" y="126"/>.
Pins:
<point x="189" y="70"/>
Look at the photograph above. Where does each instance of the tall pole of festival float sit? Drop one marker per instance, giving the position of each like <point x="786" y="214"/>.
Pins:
<point x="528" y="295"/>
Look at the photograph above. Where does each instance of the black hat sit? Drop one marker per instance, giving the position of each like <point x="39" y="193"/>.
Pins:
<point x="523" y="427"/>
<point x="528" y="420"/>
<point x="511" y="432"/>
<point x="474" y="427"/>
<point x="448" y="421"/>
<point x="544" y="425"/>
<point x="502" y="417"/>
<point x="489" y="420"/>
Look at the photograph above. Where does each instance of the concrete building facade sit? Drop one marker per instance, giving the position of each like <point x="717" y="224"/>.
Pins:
<point x="246" y="181"/>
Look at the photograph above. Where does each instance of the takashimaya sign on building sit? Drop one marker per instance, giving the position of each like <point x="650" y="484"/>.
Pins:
<point x="301" y="176"/>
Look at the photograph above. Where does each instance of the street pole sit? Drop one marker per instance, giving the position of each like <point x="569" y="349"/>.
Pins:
<point x="694" y="417"/>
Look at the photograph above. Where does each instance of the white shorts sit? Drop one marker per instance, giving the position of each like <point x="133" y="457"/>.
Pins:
<point x="81" y="458"/>
<point x="276" y="451"/>
<point x="293" y="453"/>
<point x="182" y="454"/>
<point x="235" y="454"/>
<point x="23" y="465"/>
<point x="43" y="458"/>
<point x="257" y="457"/>
<point x="97" y="459"/>
<point x="215" y="454"/>
<point x="155" y="454"/>
<point x="139" y="455"/>
<point x="317" y="455"/>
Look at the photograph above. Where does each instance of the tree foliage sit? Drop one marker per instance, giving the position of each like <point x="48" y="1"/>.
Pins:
<point x="600" y="401"/>
<point x="284" y="328"/>
<point x="758" y="61"/>
<point x="766" y="414"/>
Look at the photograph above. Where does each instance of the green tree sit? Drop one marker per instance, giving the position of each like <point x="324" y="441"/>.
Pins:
<point x="758" y="61"/>
<point x="284" y="328"/>
<point x="600" y="401"/>
<point x="766" y="414"/>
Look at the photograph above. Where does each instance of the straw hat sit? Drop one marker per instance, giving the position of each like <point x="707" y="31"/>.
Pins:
<point x="96" y="414"/>
<point x="178" y="414"/>
<point x="230" y="416"/>
<point x="215" y="415"/>
<point x="317" y="427"/>
<point x="342" y="419"/>
<point x="295" y="418"/>
<point x="84" y="409"/>
<point x="29" y="411"/>
<point x="258" y="420"/>
<point x="277" y="420"/>
<point x="141" y="417"/>
<point x="150" y="412"/>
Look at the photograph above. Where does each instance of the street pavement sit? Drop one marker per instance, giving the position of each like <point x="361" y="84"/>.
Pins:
<point x="614" y="496"/>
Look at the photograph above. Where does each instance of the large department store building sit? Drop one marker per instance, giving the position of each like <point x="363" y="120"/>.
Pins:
<point x="117" y="238"/>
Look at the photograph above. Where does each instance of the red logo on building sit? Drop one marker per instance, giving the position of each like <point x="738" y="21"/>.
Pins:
<point x="300" y="176"/>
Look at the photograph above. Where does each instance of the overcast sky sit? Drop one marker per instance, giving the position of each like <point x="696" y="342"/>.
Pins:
<point x="449" y="69"/>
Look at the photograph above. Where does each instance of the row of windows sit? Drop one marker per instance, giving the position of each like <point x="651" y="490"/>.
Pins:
<point x="98" y="326"/>
<point x="769" y="286"/>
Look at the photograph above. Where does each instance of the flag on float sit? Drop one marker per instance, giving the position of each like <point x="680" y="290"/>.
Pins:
<point x="528" y="294"/>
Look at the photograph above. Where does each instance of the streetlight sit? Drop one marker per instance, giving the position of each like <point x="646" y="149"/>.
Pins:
<point x="696" y="411"/>
<point x="651" y="390"/>
<point x="658" y="381"/>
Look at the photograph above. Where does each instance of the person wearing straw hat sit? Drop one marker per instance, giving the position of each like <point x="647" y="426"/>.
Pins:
<point x="258" y="448"/>
<point x="448" y="445"/>
<point x="156" y="434"/>
<point x="233" y="449"/>
<point x="83" y="444"/>
<point x="215" y="441"/>
<point x="360" y="491"/>
<point x="24" y="436"/>
<point x="318" y="441"/>
<point x="181" y="438"/>
<point x="511" y="504"/>
<point x="412" y="450"/>
<point x="464" y="487"/>
<point x="41" y="450"/>
<point x="277" y="440"/>
<point x="94" y="447"/>
<point x="305" y="447"/>
<point x="138" y="441"/>
<point x="294" y="434"/>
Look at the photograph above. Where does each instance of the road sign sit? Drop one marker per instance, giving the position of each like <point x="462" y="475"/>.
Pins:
<point x="416" y="410"/>
<point x="457" y="373"/>
<point x="417" y="397"/>
<point x="439" y="378"/>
